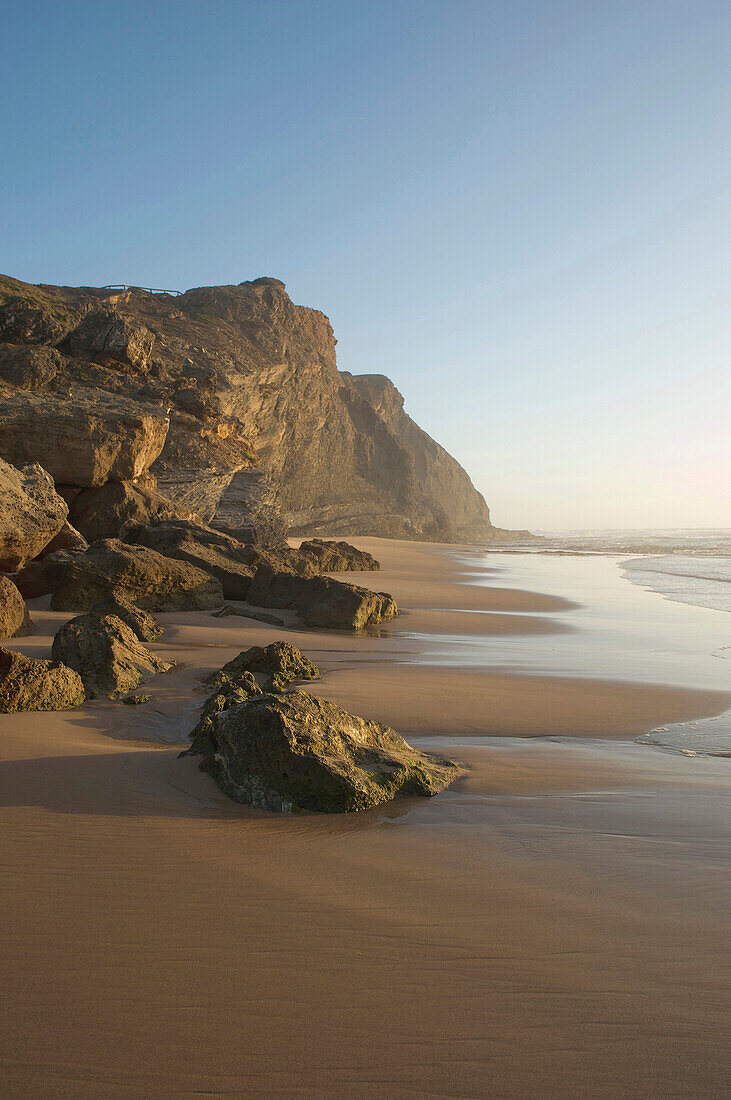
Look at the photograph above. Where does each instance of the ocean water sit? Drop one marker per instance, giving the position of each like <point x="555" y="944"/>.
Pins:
<point x="650" y="607"/>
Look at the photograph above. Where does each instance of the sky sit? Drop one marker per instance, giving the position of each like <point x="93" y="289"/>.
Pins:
<point x="518" y="211"/>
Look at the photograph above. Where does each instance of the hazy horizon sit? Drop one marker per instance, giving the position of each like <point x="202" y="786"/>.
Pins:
<point x="519" y="212"/>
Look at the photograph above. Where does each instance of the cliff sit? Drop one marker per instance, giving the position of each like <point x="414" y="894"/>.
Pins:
<point x="256" y="413"/>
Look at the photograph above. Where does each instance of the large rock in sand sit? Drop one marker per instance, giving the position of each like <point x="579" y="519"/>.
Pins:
<point x="84" y="437"/>
<point x="277" y="664"/>
<point x="31" y="513"/>
<point x="140" y="622"/>
<point x="284" y="753"/>
<point x="217" y="552"/>
<point x="29" y="684"/>
<point x="14" y="618"/>
<point x="111" y="568"/>
<point x="321" y="601"/>
<point x="107" y="654"/>
<point x="337" y="557"/>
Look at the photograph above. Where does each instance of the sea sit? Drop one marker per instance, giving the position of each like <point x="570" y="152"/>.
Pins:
<point x="619" y="638"/>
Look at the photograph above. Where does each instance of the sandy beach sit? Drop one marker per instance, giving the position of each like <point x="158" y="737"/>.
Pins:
<point x="554" y="924"/>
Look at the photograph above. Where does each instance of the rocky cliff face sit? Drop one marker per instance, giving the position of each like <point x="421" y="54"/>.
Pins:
<point x="231" y="398"/>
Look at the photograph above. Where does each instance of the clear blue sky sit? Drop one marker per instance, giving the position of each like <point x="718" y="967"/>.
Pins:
<point x="518" y="211"/>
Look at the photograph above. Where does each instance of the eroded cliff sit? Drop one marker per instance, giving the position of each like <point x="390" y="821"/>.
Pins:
<point x="260" y="418"/>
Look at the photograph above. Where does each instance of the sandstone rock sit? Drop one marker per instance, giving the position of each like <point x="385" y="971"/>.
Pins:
<point x="214" y="551"/>
<point x="39" y="577"/>
<point x="277" y="663"/>
<point x="68" y="538"/>
<point x="260" y="414"/>
<point x="107" y="654"/>
<point x="89" y="437"/>
<point x="105" y="336"/>
<point x="248" y="613"/>
<point x="321" y="601"/>
<point x="14" y="618"/>
<point x="25" y="321"/>
<point x="102" y="513"/>
<point x="31" y="513"/>
<point x="110" y="568"/>
<point x="30" y="368"/>
<point x="140" y="622"/>
<point x="290" y="752"/>
<point x="228" y="692"/>
<point x="337" y="557"/>
<point x="28" y="684"/>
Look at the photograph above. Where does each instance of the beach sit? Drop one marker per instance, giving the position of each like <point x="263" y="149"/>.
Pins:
<point x="555" y="923"/>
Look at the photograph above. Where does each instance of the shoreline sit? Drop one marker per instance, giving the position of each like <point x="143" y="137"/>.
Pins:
<point x="161" y="940"/>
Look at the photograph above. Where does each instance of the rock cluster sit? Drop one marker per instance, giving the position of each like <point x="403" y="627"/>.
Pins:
<point x="297" y="752"/>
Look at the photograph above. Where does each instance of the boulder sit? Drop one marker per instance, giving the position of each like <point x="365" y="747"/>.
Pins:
<point x="25" y="321"/>
<point x="31" y="513"/>
<point x="68" y="538"/>
<point x="217" y="552"/>
<point x="321" y="601"/>
<point x="29" y="684"/>
<point x="106" y="337"/>
<point x="296" y="752"/>
<point x="227" y="693"/>
<point x="140" y="622"/>
<point x="337" y="557"/>
<point x="277" y="664"/>
<point x="88" y="437"/>
<point x="101" y="513"/>
<point x="14" y="618"/>
<point x="30" y="368"/>
<point x="134" y="573"/>
<point x="43" y="575"/>
<point x="107" y="654"/>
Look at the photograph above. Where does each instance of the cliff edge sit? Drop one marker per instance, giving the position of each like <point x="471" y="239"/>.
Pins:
<point x="258" y="417"/>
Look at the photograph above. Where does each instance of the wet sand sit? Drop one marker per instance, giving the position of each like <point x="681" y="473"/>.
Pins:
<point x="553" y="924"/>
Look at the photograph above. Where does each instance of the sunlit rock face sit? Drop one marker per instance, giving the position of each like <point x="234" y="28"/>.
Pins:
<point x="231" y="397"/>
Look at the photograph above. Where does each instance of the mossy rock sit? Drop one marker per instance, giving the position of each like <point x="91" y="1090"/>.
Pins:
<point x="298" y="752"/>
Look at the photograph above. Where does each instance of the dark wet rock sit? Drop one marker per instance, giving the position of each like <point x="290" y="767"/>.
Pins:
<point x="31" y="513"/>
<point x="68" y="538"/>
<point x="30" y="368"/>
<point x="140" y="622"/>
<point x="110" y="568"/>
<point x="337" y="557"/>
<point x="288" y="752"/>
<point x="88" y="437"/>
<point x="106" y="337"/>
<point x="278" y="664"/>
<point x="107" y="654"/>
<point x="136" y="700"/>
<point x="101" y="513"/>
<point x="321" y="601"/>
<point x="15" y="621"/>
<point x="30" y="684"/>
